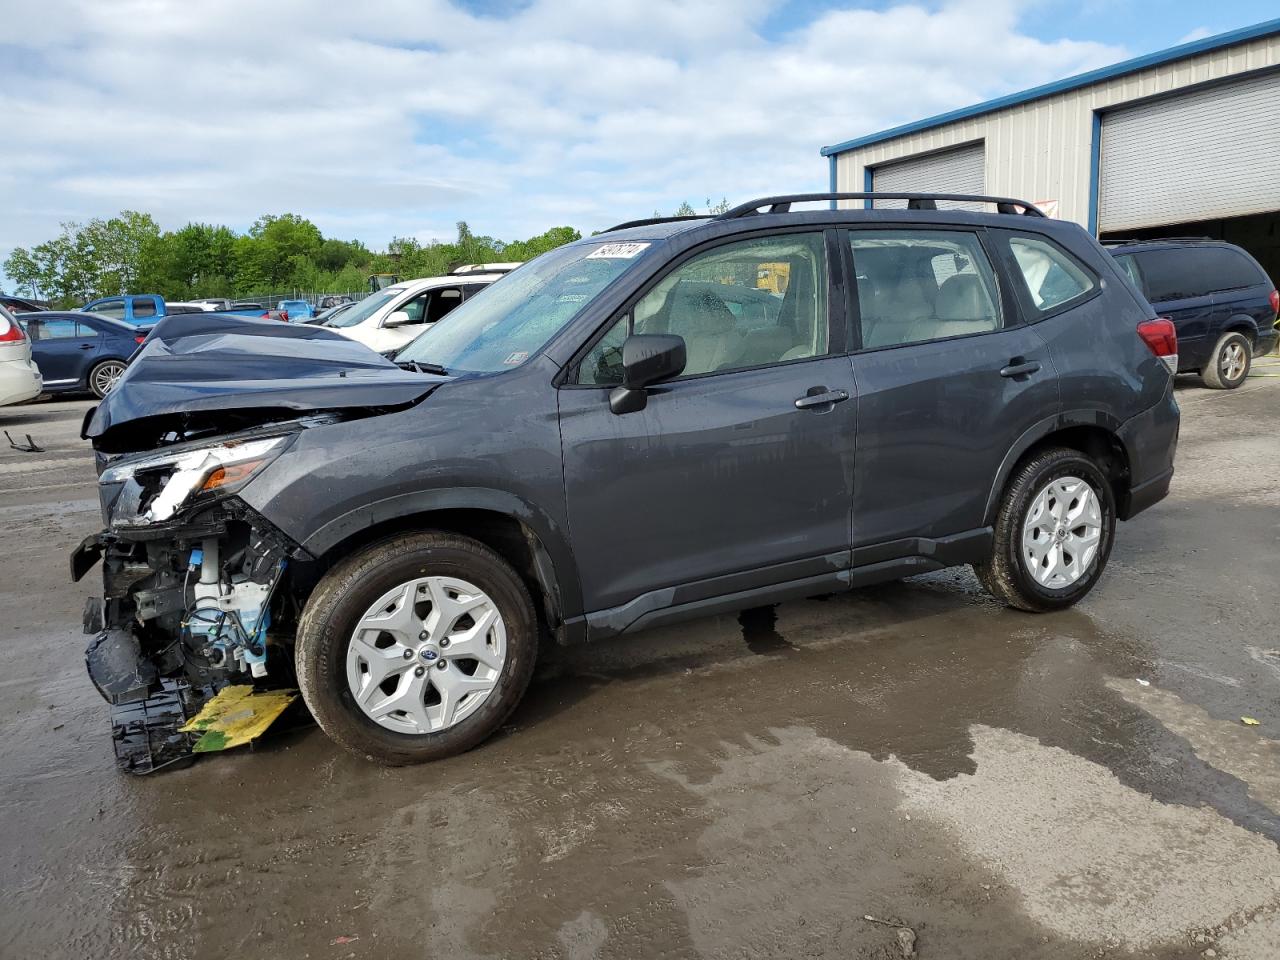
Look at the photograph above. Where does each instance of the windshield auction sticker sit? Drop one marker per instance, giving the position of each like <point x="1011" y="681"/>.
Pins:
<point x="617" y="251"/>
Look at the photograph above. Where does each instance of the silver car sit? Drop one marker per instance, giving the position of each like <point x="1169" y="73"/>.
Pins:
<point x="20" y="378"/>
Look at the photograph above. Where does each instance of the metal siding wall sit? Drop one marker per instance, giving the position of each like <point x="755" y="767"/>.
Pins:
<point x="1199" y="156"/>
<point x="952" y="171"/>
<point x="1041" y="150"/>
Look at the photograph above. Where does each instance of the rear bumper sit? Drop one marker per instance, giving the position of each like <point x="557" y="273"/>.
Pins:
<point x="19" y="380"/>
<point x="1266" y="342"/>
<point x="1150" y="439"/>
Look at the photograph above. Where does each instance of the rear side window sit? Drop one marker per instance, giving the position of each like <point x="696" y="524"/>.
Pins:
<point x="1193" y="272"/>
<point x="143" y="307"/>
<point x="919" y="285"/>
<point x="1051" y="275"/>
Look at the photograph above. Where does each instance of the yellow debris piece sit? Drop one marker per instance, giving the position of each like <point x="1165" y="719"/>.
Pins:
<point x="1249" y="721"/>
<point x="236" y="716"/>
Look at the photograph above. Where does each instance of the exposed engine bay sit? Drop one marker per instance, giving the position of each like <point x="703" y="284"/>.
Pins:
<point x="191" y="588"/>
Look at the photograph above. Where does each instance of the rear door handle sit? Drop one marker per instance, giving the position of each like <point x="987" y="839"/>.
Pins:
<point x="825" y="398"/>
<point x="1023" y="368"/>
<point x="87" y="346"/>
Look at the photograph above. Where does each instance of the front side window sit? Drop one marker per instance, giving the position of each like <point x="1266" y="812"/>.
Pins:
<point x="919" y="285"/>
<point x="753" y="303"/>
<point x="112" y="308"/>
<point x="443" y="302"/>
<point x="58" y="330"/>
<point x="1052" y="276"/>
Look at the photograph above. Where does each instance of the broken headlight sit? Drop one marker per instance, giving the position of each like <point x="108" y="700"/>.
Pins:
<point x="157" y="487"/>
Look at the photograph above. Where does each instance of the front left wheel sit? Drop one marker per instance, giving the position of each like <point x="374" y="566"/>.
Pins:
<point x="416" y="648"/>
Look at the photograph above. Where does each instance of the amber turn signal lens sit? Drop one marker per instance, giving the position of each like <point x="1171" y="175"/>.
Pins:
<point x="230" y="474"/>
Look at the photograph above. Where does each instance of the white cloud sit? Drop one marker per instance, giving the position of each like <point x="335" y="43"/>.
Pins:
<point x="401" y="116"/>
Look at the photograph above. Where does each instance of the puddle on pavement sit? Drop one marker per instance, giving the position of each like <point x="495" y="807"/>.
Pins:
<point x="760" y="631"/>
<point x="685" y="789"/>
<point x="642" y="777"/>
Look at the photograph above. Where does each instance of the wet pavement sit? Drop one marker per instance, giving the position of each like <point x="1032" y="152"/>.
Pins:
<point x="999" y="783"/>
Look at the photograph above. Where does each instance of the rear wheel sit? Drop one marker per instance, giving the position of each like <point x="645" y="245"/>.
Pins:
<point x="1053" y="533"/>
<point x="1229" y="366"/>
<point x="104" y="377"/>
<point x="416" y="648"/>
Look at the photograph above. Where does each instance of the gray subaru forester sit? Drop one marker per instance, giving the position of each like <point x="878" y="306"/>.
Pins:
<point x="672" y="418"/>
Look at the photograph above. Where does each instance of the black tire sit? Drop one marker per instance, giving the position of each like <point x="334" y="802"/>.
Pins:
<point x="1214" y="374"/>
<point x="99" y="373"/>
<point x="346" y="592"/>
<point x="1006" y="575"/>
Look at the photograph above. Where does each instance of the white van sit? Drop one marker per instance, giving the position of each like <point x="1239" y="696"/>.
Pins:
<point x="387" y="320"/>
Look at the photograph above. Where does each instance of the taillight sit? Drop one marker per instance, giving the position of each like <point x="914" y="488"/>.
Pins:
<point x="10" y="332"/>
<point x="284" y="315"/>
<point x="266" y="315"/>
<point x="140" y="338"/>
<point x="1161" y="337"/>
<point x="1275" y="303"/>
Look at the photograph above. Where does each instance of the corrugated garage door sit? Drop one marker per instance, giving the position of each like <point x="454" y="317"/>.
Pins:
<point x="1199" y="156"/>
<point x="962" y="170"/>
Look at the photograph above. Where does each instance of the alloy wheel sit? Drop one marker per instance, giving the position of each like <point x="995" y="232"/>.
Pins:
<point x="1232" y="361"/>
<point x="106" y="376"/>
<point x="1062" y="532"/>
<point x="426" y="655"/>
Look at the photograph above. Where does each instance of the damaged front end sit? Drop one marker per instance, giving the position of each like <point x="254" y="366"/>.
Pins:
<point x="191" y="587"/>
<point x="200" y="591"/>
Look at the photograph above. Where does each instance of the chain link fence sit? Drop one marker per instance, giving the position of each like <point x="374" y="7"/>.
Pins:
<point x="271" y="300"/>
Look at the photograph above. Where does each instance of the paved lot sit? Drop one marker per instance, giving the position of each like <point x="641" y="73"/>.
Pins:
<point x="751" y="786"/>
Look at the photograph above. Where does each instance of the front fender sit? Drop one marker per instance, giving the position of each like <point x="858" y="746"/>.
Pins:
<point x="553" y="539"/>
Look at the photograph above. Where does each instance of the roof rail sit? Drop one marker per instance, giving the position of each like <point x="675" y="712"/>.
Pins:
<point x="1120" y="243"/>
<point x="915" y="201"/>
<point x="647" y="221"/>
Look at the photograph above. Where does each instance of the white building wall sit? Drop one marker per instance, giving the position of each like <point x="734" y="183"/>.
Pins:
<point x="1040" y="151"/>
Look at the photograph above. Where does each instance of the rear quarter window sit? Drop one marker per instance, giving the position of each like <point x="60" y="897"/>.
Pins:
<point x="1051" y="277"/>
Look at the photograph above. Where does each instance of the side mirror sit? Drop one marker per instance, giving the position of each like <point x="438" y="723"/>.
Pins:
<point x="647" y="358"/>
<point x="397" y="319"/>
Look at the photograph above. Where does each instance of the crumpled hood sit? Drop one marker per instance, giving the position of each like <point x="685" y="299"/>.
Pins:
<point x="202" y="362"/>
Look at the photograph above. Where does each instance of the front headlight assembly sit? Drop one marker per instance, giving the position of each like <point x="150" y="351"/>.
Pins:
<point x="157" y="487"/>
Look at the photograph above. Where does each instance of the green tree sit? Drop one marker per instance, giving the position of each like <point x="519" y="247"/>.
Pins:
<point x="113" y="252"/>
<point x="129" y="253"/>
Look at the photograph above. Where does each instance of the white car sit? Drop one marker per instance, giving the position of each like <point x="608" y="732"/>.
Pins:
<point x="387" y="320"/>
<point x="19" y="376"/>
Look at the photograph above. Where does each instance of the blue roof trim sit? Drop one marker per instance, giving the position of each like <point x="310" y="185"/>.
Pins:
<point x="1245" y="34"/>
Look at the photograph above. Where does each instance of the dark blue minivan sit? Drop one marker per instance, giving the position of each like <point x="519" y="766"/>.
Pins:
<point x="1220" y="299"/>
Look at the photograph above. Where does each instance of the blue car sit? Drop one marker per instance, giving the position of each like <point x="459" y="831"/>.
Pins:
<point x="1222" y="303"/>
<point x="295" y="311"/>
<point x="80" y="351"/>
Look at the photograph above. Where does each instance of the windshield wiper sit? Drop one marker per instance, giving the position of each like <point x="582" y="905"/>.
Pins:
<point x="420" y="367"/>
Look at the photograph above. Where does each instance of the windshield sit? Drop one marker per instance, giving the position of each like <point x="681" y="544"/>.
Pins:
<point x="364" y="309"/>
<point x="522" y="311"/>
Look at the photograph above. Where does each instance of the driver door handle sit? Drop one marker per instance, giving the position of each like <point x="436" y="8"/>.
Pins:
<point x="825" y="398"/>
<point x="1020" y="368"/>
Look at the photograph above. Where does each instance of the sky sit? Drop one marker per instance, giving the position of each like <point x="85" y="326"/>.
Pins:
<point x="400" y="117"/>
